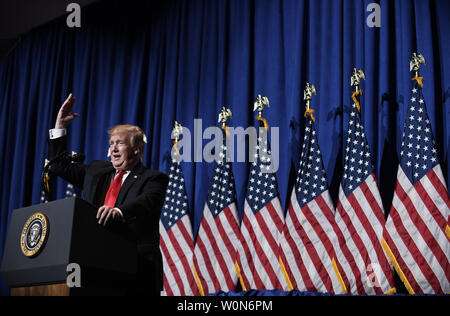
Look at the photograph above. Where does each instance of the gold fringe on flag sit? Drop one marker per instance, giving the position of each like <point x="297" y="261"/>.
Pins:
<point x="238" y="271"/>
<point x="310" y="113"/>
<point x="354" y="95"/>
<point x="199" y="283"/>
<point x="419" y="80"/>
<point x="46" y="180"/>
<point x="175" y="145"/>
<point x="391" y="291"/>
<point x="397" y="268"/>
<point x="339" y="276"/>
<point x="225" y="128"/>
<point x="286" y="276"/>
<point x="262" y="119"/>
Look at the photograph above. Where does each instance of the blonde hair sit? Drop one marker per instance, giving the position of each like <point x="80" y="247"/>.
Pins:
<point x="135" y="137"/>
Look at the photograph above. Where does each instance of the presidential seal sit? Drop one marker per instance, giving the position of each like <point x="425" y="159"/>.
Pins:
<point x="34" y="234"/>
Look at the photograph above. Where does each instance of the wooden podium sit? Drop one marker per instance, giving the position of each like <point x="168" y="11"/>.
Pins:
<point x="45" y="240"/>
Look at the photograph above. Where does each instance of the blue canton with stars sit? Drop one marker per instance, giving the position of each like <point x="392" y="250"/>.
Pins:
<point x="262" y="184"/>
<point x="418" y="154"/>
<point x="311" y="178"/>
<point x="222" y="191"/>
<point x="357" y="164"/>
<point x="176" y="201"/>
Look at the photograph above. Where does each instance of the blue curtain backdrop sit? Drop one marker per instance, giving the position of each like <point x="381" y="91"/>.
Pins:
<point x="150" y="63"/>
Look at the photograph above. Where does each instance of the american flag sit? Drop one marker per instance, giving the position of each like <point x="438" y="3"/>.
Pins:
<point x="70" y="191"/>
<point x="417" y="234"/>
<point x="215" y="254"/>
<point x="176" y="238"/>
<point x="360" y="215"/>
<point x="262" y="224"/>
<point x="309" y="237"/>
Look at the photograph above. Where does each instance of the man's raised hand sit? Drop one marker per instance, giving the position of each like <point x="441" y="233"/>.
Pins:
<point x="65" y="115"/>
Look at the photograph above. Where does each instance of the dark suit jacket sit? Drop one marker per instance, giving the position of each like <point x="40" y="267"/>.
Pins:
<point x="140" y="198"/>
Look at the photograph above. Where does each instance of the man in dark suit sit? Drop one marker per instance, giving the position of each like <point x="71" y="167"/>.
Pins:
<point x="125" y="192"/>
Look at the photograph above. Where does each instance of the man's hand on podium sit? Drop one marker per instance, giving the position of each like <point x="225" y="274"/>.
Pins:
<point x="105" y="213"/>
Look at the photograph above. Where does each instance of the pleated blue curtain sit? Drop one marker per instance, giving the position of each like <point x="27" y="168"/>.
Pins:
<point x="150" y="63"/>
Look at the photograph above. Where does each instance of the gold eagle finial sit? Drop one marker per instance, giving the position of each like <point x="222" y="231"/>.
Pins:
<point x="356" y="77"/>
<point x="307" y="95"/>
<point x="414" y="63"/>
<point x="224" y="114"/>
<point x="177" y="130"/>
<point x="259" y="104"/>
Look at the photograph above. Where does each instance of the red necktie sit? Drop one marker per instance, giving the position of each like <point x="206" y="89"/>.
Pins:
<point x="114" y="189"/>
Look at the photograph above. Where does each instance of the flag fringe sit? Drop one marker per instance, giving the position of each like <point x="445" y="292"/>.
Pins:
<point x="227" y="132"/>
<point x="391" y="291"/>
<point x="310" y="113"/>
<point x="175" y="145"/>
<point x="354" y="95"/>
<point x="199" y="283"/>
<point x="262" y="119"/>
<point x="238" y="271"/>
<point x="286" y="276"/>
<point x="419" y="81"/>
<point x="339" y="276"/>
<point x="397" y="268"/>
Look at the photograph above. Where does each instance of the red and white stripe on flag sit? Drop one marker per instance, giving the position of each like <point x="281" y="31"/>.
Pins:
<point x="309" y="253"/>
<point x="417" y="232"/>
<point x="177" y="246"/>
<point x="215" y="251"/>
<point x="176" y="239"/>
<point x="360" y="217"/>
<point x="308" y="244"/>
<point x="259" y="253"/>
<point x="417" y="238"/>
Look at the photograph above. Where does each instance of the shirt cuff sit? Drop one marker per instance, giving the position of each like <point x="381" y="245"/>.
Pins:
<point x="57" y="133"/>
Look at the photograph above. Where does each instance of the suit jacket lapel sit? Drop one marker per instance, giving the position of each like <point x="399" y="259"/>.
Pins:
<point x="128" y="183"/>
<point x="99" y="185"/>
